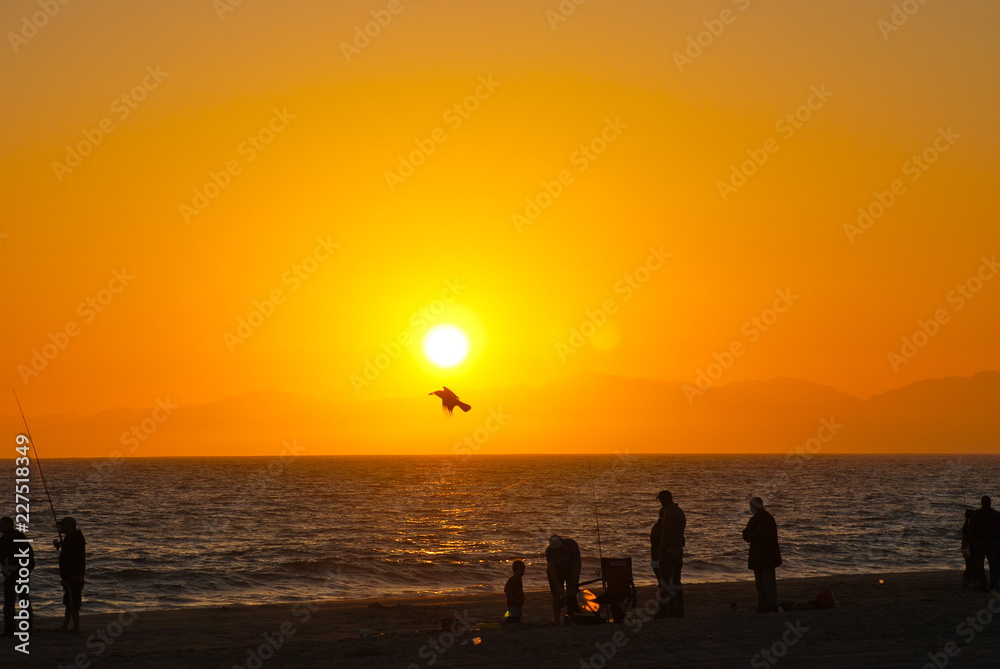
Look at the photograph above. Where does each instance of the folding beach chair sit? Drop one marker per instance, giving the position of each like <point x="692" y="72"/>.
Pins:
<point x="619" y="594"/>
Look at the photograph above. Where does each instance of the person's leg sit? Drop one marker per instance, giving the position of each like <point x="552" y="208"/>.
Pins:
<point x="993" y="555"/>
<point x="758" y="579"/>
<point x="978" y="557"/>
<point x="572" y="587"/>
<point x="661" y="593"/>
<point x="67" y="602"/>
<point x="557" y="600"/>
<point x="671" y="569"/>
<point x="680" y="590"/>
<point x="770" y="590"/>
<point x="8" y="605"/>
<point x="77" y="602"/>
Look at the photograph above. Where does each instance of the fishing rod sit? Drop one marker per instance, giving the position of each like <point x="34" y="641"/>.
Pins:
<point x="597" y="516"/>
<point x="38" y="463"/>
<point x="961" y="481"/>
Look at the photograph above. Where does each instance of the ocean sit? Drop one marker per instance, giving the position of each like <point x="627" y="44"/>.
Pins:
<point x="179" y="532"/>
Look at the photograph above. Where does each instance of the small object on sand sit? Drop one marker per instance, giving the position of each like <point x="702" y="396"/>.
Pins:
<point x="826" y="600"/>
<point x="472" y="641"/>
<point x="449" y="400"/>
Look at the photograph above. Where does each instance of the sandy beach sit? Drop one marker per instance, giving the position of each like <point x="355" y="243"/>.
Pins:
<point x="907" y="620"/>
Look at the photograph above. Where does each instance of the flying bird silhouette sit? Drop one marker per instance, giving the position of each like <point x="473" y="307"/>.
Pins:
<point x="449" y="400"/>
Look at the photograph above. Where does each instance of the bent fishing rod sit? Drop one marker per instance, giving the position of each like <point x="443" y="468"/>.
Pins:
<point x="38" y="463"/>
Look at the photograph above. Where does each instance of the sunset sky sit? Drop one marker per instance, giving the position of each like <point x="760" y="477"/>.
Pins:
<point x="622" y="189"/>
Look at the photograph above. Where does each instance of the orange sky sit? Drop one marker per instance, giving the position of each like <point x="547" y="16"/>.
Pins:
<point x="301" y="133"/>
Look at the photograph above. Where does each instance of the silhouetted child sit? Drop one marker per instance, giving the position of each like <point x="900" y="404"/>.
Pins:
<point x="515" y="594"/>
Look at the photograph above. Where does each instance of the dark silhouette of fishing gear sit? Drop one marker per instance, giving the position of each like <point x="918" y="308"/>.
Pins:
<point x="449" y="400"/>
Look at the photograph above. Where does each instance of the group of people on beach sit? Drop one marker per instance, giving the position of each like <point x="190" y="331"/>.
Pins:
<point x="981" y="541"/>
<point x="666" y="547"/>
<point x="666" y="542"/>
<point x="17" y="560"/>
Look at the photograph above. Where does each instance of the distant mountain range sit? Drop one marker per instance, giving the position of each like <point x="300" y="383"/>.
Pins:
<point x="586" y="413"/>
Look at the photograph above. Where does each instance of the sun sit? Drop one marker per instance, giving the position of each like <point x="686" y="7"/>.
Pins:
<point x="446" y="346"/>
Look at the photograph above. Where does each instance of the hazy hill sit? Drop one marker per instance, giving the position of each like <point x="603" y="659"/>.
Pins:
<point x="585" y="413"/>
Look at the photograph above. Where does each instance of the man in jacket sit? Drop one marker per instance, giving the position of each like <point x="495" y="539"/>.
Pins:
<point x="671" y="554"/>
<point x="765" y="555"/>
<point x="984" y="542"/>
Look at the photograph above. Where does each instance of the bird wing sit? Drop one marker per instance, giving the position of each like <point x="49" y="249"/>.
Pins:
<point x="449" y="393"/>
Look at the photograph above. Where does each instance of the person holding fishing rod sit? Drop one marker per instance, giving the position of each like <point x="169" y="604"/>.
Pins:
<point x="72" y="569"/>
<point x="70" y="544"/>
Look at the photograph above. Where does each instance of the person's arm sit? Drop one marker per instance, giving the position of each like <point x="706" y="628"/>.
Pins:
<point x="551" y="570"/>
<point x="575" y="565"/>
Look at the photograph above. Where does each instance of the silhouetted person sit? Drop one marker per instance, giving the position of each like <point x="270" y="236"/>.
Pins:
<point x="765" y="555"/>
<point x="563" y="567"/>
<point x="514" y="589"/>
<point x="969" y="576"/>
<point x="449" y="400"/>
<point x="72" y="570"/>
<point x="671" y="556"/>
<point x="13" y="556"/>
<point x="984" y="540"/>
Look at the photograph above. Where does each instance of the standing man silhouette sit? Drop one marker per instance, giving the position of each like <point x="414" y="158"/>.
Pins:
<point x="671" y="554"/>
<point x="72" y="570"/>
<point x="765" y="555"/>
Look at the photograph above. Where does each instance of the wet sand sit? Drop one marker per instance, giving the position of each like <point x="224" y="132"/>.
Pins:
<point x="910" y="620"/>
